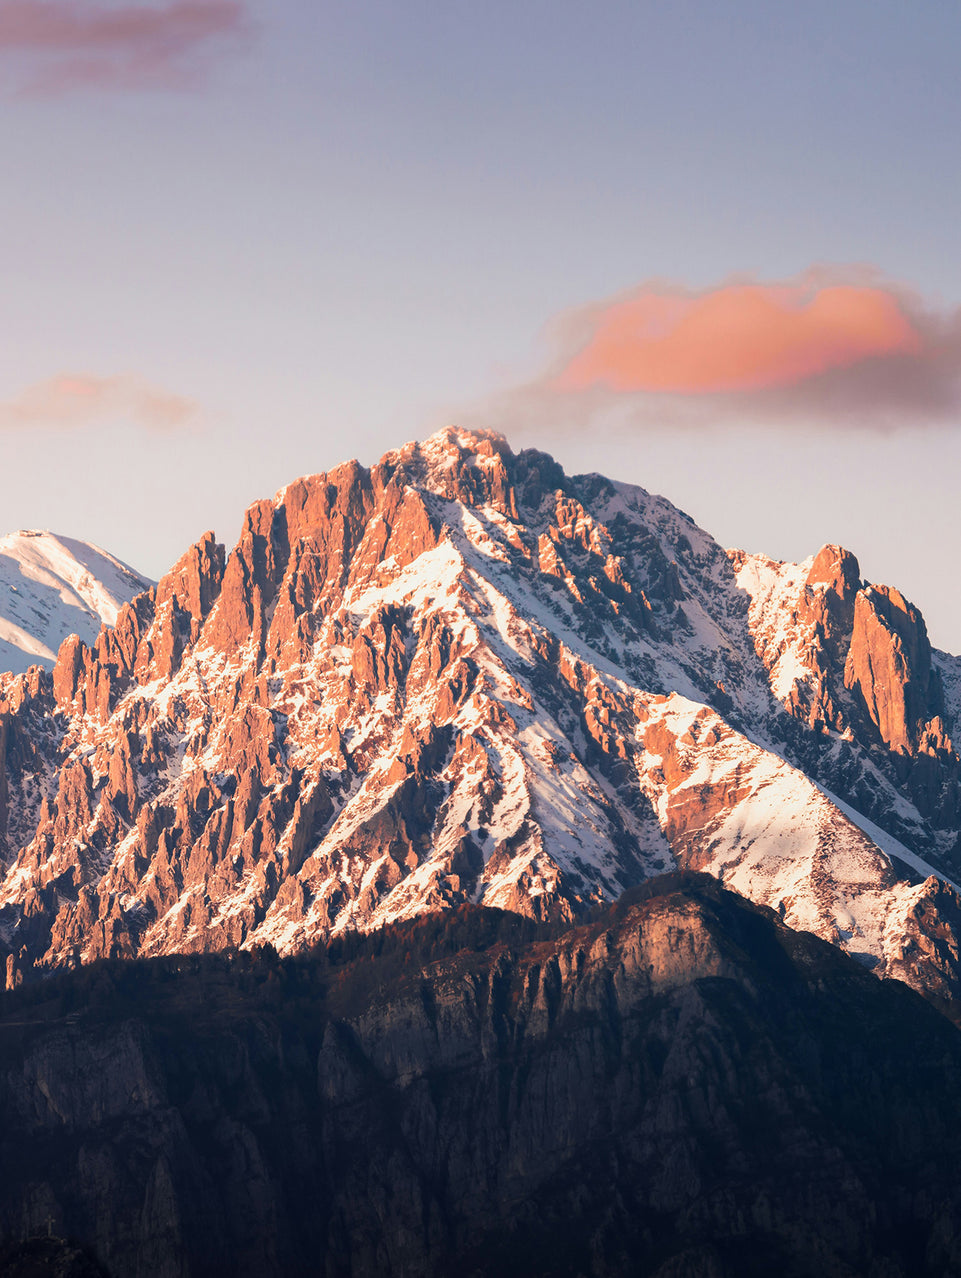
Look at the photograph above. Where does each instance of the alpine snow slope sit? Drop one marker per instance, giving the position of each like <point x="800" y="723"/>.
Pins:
<point x="51" y="587"/>
<point x="463" y="675"/>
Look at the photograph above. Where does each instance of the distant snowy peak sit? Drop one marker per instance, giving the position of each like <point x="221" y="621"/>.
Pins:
<point x="53" y="586"/>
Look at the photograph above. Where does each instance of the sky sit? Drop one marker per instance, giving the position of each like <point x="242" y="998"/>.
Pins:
<point x="710" y="249"/>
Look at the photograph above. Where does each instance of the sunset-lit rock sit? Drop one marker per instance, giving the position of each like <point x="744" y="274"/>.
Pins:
<point x="464" y="676"/>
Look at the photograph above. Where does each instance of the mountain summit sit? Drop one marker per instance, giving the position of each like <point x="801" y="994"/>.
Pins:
<point x="462" y="675"/>
<point x="51" y="587"/>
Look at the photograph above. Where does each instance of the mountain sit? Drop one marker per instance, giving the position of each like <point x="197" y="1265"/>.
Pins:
<point x="52" y="587"/>
<point x="464" y="676"/>
<point x="682" y="1087"/>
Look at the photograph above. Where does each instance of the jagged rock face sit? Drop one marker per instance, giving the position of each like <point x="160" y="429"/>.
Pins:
<point x="889" y="665"/>
<point x="683" y="1087"/>
<point x="854" y="659"/>
<point x="464" y="676"/>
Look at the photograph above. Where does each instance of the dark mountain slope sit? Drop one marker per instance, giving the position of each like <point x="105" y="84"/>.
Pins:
<point x="682" y="1087"/>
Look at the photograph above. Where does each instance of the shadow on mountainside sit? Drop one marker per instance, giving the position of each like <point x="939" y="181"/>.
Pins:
<point x="48" y="1258"/>
<point x="680" y="1086"/>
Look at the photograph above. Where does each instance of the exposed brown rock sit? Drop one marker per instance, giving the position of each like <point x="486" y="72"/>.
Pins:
<point x="68" y="670"/>
<point x="889" y="666"/>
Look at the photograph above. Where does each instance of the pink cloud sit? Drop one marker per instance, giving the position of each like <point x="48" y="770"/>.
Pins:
<point x="79" y="399"/>
<point x="838" y="346"/>
<point x="57" y="45"/>
<point x="740" y="337"/>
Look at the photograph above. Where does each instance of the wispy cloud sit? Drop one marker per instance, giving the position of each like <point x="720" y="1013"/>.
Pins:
<point x="837" y="347"/>
<point x="53" y="46"/>
<point x="78" y="399"/>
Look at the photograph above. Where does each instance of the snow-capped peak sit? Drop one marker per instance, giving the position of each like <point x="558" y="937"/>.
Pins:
<point x="52" y="586"/>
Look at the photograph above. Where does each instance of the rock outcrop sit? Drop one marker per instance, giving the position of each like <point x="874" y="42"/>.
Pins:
<point x="889" y="666"/>
<point x="853" y="659"/>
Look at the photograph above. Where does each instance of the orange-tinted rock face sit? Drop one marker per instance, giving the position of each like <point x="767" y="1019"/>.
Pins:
<point x="889" y="667"/>
<point x="194" y="583"/>
<point x="831" y="608"/>
<point x="68" y="669"/>
<point x="837" y="569"/>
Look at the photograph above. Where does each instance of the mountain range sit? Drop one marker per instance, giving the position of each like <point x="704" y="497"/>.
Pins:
<point x="462" y="676"/>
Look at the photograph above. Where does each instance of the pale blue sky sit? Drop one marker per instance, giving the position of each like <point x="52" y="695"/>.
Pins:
<point x="361" y="219"/>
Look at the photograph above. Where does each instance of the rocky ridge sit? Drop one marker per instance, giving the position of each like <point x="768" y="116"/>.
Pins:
<point x="462" y="675"/>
